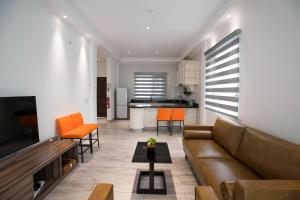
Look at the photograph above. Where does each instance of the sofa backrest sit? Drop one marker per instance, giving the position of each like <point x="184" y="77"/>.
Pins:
<point x="269" y="156"/>
<point x="64" y="124"/>
<point x="77" y="119"/>
<point x="228" y="134"/>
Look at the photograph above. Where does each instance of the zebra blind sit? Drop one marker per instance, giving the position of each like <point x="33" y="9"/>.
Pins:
<point x="150" y="85"/>
<point x="222" y="81"/>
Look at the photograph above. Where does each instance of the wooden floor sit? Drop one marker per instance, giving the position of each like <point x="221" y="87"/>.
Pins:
<point x="111" y="163"/>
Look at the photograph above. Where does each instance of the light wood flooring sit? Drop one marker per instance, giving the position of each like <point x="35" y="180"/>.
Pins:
<point x="112" y="163"/>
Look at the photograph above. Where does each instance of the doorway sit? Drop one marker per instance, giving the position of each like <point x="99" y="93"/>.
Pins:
<point x="101" y="97"/>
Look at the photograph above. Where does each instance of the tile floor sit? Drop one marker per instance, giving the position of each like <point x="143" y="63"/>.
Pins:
<point x="112" y="163"/>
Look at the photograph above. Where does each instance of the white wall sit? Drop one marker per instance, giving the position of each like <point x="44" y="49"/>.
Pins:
<point x="41" y="56"/>
<point x="112" y="84"/>
<point x="270" y="46"/>
<point x="126" y="72"/>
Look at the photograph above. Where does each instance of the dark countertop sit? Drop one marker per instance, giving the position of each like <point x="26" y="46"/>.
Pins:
<point x="161" y="104"/>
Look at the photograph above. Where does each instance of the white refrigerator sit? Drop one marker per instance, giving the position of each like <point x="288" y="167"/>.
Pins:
<point x="122" y="103"/>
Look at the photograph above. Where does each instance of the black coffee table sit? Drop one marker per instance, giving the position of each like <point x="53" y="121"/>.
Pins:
<point x="161" y="155"/>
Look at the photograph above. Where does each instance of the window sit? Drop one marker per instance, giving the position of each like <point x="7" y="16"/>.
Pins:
<point x="222" y="80"/>
<point x="150" y="85"/>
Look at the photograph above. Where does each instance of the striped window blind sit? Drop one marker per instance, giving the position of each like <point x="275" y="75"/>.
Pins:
<point x="222" y="81"/>
<point x="150" y="85"/>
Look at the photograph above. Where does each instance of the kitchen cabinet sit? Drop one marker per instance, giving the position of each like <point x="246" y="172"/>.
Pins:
<point x="136" y="118"/>
<point x="150" y="117"/>
<point x="188" y="72"/>
<point x="146" y="118"/>
<point x="190" y="117"/>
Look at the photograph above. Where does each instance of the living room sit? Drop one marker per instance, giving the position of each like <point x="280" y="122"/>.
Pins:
<point x="193" y="85"/>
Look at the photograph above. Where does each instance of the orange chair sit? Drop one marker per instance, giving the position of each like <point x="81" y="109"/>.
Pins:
<point x="163" y="114"/>
<point x="177" y="115"/>
<point x="72" y="127"/>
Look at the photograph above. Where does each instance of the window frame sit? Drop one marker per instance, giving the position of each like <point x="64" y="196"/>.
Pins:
<point x="154" y="87"/>
<point x="222" y="76"/>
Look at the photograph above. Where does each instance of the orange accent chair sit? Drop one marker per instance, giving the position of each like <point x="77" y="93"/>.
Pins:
<point x="177" y="116"/>
<point x="72" y="127"/>
<point x="163" y="114"/>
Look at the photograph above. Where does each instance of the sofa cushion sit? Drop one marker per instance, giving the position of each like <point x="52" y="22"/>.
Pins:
<point x="269" y="156"/>
<point x="64" y="124"/>
<point x="197" y="134"/>
<point x="79" y="132"/>
<point x="92" y="127"/>
<point x="228" y="134"/>
<point x="213" y="171"/>
<point x="204" y="149"/>
<point x="77" y="119"/>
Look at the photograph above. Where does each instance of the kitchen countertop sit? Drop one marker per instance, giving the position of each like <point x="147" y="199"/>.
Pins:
<point x="161" y="104"/>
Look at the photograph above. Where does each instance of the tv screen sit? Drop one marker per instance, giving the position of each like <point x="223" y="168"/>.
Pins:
<point x="18" y="124"/>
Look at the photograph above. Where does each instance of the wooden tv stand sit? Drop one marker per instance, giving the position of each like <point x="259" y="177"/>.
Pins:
<point x="47" y="162"/>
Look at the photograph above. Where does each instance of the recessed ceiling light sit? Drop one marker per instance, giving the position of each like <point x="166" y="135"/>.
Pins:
<point x="65" y="16"/>
<point x="228" y="16"/>
<point x="156" y="52"/>
<point x="129" y="52"/>
<point x="148" y="27"/>
<point x="150" y="10"/>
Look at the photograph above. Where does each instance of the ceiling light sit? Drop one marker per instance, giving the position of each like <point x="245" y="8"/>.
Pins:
<point x="65" y="16"/>
<point x="129" y="52"/>
<point x="156" y="52"/>
<point x="228" y="16"/>
<point x="150" y="10"/>
<point x="148" y="27"/>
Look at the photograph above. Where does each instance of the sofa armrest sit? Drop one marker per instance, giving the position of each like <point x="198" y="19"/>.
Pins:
<point x="102" y="191"/>
<point x="267" y="189"/>
<point x="205" y="193"/>
<point x="197" y="134"/>
<point x="203" y="128"/>
<point x="227" y="189"/>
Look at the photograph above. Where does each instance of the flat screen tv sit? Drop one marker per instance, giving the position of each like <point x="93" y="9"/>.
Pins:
<point x="18" y="124"/>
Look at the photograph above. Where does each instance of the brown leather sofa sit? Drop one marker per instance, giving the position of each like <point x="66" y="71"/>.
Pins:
<point x="102" y="191"/>
<point x="235" y="162"/>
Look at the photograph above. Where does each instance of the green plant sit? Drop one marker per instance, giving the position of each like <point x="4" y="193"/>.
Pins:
<point x="151" y="142"/>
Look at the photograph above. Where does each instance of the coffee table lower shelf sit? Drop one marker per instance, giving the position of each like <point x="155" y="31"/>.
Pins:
<point x="151" y="189"/>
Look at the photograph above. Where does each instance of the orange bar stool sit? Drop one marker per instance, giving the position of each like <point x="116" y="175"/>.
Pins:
<point x="163" y="114"/>
<point x="177" y="116"/>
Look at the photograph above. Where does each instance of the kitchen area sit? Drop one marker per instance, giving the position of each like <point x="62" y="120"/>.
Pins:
<point x="150" y="90"/>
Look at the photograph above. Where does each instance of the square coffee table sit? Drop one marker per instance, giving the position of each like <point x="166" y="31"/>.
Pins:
<point x="161" y="155"/>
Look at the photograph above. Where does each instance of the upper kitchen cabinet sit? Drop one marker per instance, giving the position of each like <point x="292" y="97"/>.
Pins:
<point x="188" y="72"/>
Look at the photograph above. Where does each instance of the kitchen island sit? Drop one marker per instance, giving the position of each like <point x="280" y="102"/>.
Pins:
<point x="143" y="113"/>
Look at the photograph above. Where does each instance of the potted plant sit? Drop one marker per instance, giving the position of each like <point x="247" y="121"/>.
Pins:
<point x="151" y="143"/>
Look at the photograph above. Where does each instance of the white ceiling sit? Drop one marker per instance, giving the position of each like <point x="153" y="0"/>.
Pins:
<point x="174" y="24"/>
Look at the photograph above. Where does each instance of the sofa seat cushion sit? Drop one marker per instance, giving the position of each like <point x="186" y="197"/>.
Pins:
<point x="213" y="171"/>
<point x="79" y="132"/>
<point x="92" y="127"/>
<point x="205" y="149"/>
